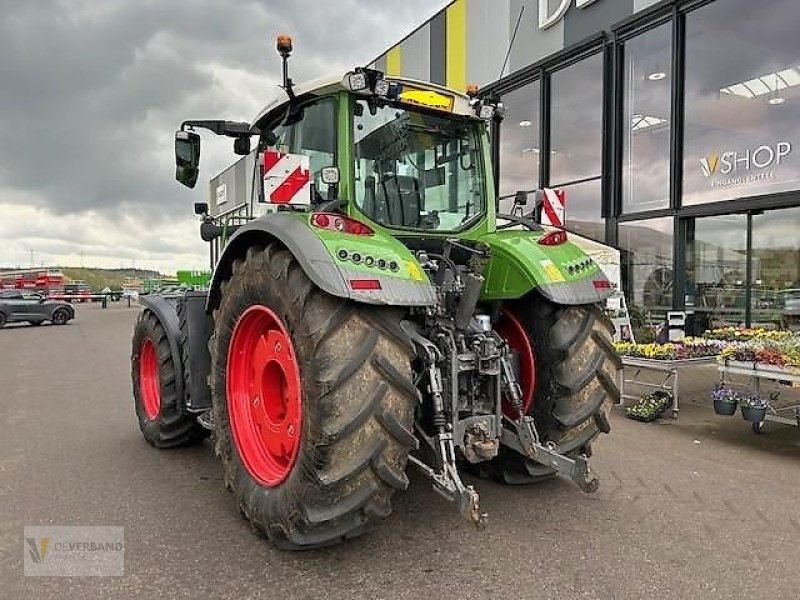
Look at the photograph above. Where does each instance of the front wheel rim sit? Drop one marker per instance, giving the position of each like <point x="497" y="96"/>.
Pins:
<point x="264" y="397"/>
<point x="149" y="380"/>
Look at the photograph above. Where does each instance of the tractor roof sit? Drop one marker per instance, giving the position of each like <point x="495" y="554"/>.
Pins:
<point x="330" y="84"/>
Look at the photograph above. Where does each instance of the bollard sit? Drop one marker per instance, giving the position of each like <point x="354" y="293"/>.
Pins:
<point x="105" y="301"/>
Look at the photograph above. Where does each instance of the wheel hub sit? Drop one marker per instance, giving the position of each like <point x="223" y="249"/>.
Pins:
<point x="513" y="332"/>
<point x="149" y="380"/>
<point x="264" y="395"/>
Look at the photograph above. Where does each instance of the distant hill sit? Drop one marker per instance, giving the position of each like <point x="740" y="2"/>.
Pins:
<point x="101" y="278"/>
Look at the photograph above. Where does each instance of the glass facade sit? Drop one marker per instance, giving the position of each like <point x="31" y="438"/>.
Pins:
<point x="576" y="143"/>
<point x="647" y="101"/>
<point x="742" y="100"/>
<point x="519" y="142"/>
<point x="647" y="275"/>
<point x="699" y="173"/>
<point x="775" y="269"/>
<point x="716" y="268"/>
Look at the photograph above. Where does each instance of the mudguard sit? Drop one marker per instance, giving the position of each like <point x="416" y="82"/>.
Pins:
<point x="563" y="274"/>
<point x="165" y="311"/>
<point x="316" y="252"/>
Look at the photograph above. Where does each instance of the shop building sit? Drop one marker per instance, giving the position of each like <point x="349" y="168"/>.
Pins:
<point x="673" y="126"/>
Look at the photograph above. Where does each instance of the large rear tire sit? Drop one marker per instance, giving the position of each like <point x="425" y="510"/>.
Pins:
<point x="315" y="429"/>
<point x="575" y="380"/>
<point x="155" y="388"/>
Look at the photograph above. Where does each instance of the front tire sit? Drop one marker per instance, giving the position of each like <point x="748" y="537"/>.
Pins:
<point x="338" y="374"/>
<point x="60" y="317"/>
<point x="155" y="389"/>
<point x="574" y="382"/>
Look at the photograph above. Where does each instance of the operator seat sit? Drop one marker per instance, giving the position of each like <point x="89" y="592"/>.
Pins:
<point x="399" y="196"/>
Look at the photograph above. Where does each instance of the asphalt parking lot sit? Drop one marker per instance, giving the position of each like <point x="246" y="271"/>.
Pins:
<point x="695" y="508"/>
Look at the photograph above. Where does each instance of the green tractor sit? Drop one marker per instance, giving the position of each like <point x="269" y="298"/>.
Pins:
<point x="370" y="310"/>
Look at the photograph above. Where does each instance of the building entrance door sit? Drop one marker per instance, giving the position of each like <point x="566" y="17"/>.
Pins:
<point x="743" y="270"/>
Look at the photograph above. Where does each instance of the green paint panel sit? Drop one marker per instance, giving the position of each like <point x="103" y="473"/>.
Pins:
<point x="519" y="264"/>
<point x="370" y="254"/>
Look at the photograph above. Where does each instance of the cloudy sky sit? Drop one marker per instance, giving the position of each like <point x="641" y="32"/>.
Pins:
<point x="92" y="91"/>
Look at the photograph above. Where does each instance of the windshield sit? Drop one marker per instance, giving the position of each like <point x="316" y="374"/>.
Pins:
<point x="417" y="170"/>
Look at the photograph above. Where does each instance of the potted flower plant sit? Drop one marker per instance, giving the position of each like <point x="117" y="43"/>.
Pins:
<point x="725" y="400"/>
<point x="650" y="407"/>
<point x="754" y="408"/>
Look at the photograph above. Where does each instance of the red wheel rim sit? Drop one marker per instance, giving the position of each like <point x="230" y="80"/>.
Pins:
<point x="149" y="380"/>
<point x="264" y="395"/>
<point x="518" y="339"/>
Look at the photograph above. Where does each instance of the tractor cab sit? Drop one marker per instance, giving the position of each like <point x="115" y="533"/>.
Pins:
<point x="393" y="153"/>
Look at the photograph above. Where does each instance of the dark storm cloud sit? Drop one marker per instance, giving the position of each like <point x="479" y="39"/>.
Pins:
<point x="91" y="92"/>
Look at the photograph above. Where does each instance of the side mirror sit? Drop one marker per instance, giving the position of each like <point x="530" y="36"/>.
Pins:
<point x="187" y="157"/>
<point x="241" y="146"/>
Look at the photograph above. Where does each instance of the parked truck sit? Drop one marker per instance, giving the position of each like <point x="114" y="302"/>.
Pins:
<point x="370" y="310"/>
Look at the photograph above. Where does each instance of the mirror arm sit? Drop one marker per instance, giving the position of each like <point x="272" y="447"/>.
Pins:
<point x="227" y="128"/>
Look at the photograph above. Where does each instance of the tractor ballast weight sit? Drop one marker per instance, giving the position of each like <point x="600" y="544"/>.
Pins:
<point x="369" y="309"/>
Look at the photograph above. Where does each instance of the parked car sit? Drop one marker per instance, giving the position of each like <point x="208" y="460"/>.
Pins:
<point x="19" y="306"/>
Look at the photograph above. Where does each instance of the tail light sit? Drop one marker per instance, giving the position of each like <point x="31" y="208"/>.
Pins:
<point x="365" y="285"/>
<point x="337" y="222"/>
<point x="601" y="284"/>
<point x="554" y="238"/>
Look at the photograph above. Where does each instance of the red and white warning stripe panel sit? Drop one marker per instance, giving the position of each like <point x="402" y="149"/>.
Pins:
<point x="286" y="178"/>
<point x="553" y="207"/>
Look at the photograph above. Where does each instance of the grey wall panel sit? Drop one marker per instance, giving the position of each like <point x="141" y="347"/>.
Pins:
<point x="438" y="49"/>
<point x="487" y="39"/>
<point x="598" y="16"/>
<point x="380" y="64"/>
<point x="417" y="54"/>
<point x="533" y="44"/>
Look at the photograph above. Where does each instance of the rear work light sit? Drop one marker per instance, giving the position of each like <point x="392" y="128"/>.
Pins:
<point x="337" y="222"/>
<point x="365" y="285"/>
<point x="554" y="238"/>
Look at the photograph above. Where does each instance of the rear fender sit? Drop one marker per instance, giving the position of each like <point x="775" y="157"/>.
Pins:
<point x="167" y="315"/>
<point x="563" y="274"/>
<point x="314" y="251"/>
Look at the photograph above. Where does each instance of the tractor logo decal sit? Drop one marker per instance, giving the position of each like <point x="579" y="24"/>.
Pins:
<point x="286" y="178"/>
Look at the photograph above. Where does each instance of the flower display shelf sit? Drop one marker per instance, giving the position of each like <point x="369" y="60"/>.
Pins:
<point x="758" y="372"/>
<point x="668" y="376"/>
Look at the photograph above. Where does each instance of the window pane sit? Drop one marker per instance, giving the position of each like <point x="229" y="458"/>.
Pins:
<point x="647" y="272"/>
<point x="648" y="92"/>
<point x="742" y="100"/>
<point x="582" y="210"/>
<point x="519" y="143"/>
<point x="716" y="267"/>
<point x="315" y="136"/>
<point x="576" y="122"/>
<point x="406" y="176"/>
<point x="775" y="296"/>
